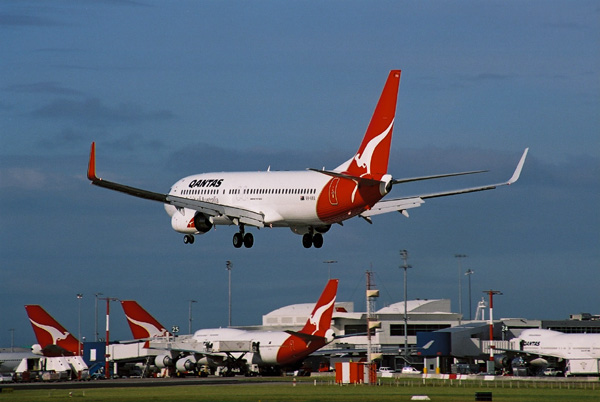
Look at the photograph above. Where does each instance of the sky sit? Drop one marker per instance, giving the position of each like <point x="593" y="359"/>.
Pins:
<point x="172" y="88"/>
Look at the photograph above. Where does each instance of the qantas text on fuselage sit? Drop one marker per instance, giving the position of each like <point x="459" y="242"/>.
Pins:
<point x="308" y="202"/>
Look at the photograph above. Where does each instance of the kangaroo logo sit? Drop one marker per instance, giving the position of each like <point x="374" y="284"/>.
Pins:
<point x="152" y="330"/>
<point x="55" y="333"/>
<point x="315" y="318"/>
<point x="363" y="159"/>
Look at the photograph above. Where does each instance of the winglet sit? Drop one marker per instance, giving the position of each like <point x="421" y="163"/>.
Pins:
<point x="517" y="172"/>
<point x="91" y="172"/>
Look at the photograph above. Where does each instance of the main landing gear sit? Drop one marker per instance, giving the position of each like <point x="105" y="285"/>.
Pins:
<point x="310" y="239"/>
<point x="188" y="239"/>
<point x="241" y="238"/>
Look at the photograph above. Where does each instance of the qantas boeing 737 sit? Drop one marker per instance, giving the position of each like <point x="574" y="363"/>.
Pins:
<point x="308" y="202"/>
<point x="213" y="346"/>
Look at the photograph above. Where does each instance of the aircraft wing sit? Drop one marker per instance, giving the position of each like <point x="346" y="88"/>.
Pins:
<point x="402" y="204"/>
<point x="245" y="216"/>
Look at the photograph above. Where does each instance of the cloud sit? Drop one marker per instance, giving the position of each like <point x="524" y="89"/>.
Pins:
<point x="49" y="87"/>
<point x="20" y="177"/>
<point x="92" y="111"/>
<point x="26" y="21"/>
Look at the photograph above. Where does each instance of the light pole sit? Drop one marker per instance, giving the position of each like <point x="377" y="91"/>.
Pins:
<point x="329" y="262"/>
<point x="96" y="316"/>
<point x="79" y="297"/>
<point x="229" y="266"/>
<point x="107" y="350"/>
<point x="491" y="294"/>
<point x="190" y="328"/>
<point x="468" y="274"/>
<point x="458" y="258"/>
<point x="405" y="266"/>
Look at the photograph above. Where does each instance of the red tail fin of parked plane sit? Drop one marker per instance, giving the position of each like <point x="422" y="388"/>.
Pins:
<point x="52" y="337"/>
<point x="316" y="332"/>
<point x="142" y="324"/>
<point x="319" y="321"/>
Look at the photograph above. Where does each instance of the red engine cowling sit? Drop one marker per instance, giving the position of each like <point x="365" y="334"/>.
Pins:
<point x="190" y="222"/>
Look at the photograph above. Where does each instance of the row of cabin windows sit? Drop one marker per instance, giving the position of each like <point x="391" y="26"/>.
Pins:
<point x="304" y="191"/>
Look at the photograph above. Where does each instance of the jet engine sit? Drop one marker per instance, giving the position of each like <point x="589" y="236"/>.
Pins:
<point x="162" y="361"/>
<point x="386" y="184"/>
<point x="202" y="223"/>
<point x="190" y="221"/>
<point x="187" y="363"/>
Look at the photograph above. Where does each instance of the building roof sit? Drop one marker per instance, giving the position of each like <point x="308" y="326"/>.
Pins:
<point x="418" y="306"/>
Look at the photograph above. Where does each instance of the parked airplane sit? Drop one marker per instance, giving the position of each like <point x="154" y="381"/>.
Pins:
<point x="235" y="347"/>
<point x="53" y="341"/>
<point x="308" y="202"/>
<point x="53" y="338"/>
<point x="9" y="361"/>
<point x="578" y="353"/>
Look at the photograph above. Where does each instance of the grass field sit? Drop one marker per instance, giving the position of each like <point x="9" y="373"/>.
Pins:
<point x="308" y="391"/>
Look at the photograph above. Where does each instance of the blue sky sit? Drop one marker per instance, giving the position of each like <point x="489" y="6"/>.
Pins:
<point x="169" y="89"/>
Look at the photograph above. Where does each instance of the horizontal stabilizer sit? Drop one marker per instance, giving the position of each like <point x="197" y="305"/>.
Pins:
<point x="306" y="337"/>
<point x="360" y="180"/>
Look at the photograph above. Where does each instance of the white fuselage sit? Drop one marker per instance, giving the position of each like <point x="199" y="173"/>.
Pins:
<point x="545" y="342"/>
<point x="286" y="199"/>
<point x="268" y="343"/>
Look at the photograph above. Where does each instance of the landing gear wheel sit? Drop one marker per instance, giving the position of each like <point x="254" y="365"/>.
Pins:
<point x="188" y="239"/>
<point x="248" y="240"/>
<point x="307" y="240"/>
<point x="238" y="240"/>
<point x="317" y="240"/>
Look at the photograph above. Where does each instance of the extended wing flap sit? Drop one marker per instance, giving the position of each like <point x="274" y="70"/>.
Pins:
<point x="398" y="204"/>
<point x="244" y="216"/>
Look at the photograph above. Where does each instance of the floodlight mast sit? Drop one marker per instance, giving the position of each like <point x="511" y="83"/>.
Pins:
<point x="405" y="266"/>
<point x="491" y="294"/>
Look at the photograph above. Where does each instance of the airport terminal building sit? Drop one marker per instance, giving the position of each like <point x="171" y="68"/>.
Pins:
<point x="458" y="342"/>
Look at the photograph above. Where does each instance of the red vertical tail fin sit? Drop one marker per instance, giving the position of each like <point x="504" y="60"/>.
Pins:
<point x="141" y="323"/>
<point x="319" y="321"/>
<point x="371" y="159"/>
<point x="50" y="334"/>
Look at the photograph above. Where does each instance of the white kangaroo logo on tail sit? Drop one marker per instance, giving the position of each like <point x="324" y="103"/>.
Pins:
<point x="152" y="330"/>
<point x="315" y="318"/>
<point x="364" y="159"/>
<point x="55" y="333"/>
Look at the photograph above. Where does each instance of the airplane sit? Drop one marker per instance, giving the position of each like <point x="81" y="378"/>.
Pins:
<point x="9" y="361"/>
<point x="308" y="202"/>
<point x="54" y="340"/>
<point x="538" y="347"/>
<point x="233" y="347"/>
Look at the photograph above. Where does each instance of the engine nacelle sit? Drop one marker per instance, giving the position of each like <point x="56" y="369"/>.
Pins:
<point x="187" y="363"/>
<point x="386" y="184"/>
<point x="190" y="222"/>
<point x="163" y="361"/>
<point x="202" y="223"/>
